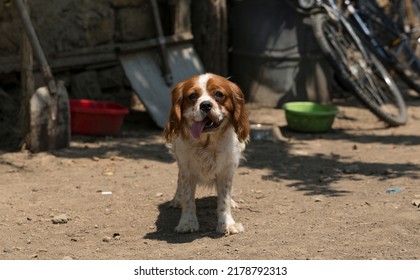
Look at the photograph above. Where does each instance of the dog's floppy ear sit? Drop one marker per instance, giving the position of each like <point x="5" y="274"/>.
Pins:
<point x="240" y="114"/>
<point x="173" y="125"/>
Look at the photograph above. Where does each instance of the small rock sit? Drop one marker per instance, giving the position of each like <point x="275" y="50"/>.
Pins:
<point x="159" y="194"/>
<point x="318" y="199"/>
<point x="107" y="171"/>
<point x="67" y="258"/>
<point x="117" y="158"/>
<point x="106" y="239"/>
<point x="116" y="236"/>
<point x="95" y="158"/>
<point x="60" y="219"/>
<point x="388" y="171"/>
<point x="416" y="202"/>
<point x="34" y="256"/>
<point x="7" y="250"/>
<point x="324" y="179"/>
<point x="350" y="169"/>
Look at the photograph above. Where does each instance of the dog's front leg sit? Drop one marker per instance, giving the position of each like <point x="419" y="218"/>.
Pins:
<point x="188" y="221"/>
<point x="176" y="202"/>
<point x="225" y="222"/>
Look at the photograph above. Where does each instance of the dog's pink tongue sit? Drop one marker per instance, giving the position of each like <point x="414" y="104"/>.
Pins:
<point x="197" y="128"/>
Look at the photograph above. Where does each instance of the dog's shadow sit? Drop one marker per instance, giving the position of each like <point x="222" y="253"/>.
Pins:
<point x="168" y="219"/>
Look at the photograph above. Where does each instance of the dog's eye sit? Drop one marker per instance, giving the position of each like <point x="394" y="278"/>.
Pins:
<point x="193" y="96"/>
<point x="219" y="95"/>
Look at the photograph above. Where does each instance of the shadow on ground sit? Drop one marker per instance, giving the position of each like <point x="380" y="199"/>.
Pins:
<point x="168" y="219"/>
<point x="132" y="143"/>
<point x="316" y="174"/>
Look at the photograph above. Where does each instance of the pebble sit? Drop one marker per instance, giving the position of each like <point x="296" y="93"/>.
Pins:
<point x="106" y="239"/>
<point x="323" y="179"/>
<point x="67" y="258"/>
<point x="60" y="219"/>
<point x="107" y="171"/>
<point x="416" y="202"/>
<point x="350" y="169"/>
<point x="7" y="250"/>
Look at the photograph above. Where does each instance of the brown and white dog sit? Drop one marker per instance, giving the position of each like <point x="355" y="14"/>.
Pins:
<point x="207" y="129"/>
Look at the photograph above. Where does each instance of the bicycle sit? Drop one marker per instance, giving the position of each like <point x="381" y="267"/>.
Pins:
<point x="385" y="38"/>
<point x="356" y="67"/>
<point x="408" y="17"/>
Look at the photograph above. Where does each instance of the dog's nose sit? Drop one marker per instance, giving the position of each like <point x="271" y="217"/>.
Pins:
<point x="206" y="106"/>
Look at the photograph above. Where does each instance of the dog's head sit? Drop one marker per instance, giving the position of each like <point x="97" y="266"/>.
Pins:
<point x="204" y="104"/>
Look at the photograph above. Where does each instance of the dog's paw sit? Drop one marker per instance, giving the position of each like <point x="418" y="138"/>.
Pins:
<point x="230" y="229"/>
<point x="187" y="225"/>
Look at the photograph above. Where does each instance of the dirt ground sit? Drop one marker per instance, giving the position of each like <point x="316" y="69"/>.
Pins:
<point x="345" y="194"/>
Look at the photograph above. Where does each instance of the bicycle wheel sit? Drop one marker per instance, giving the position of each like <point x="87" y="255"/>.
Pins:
<point x="396" y="51"/>
<point x="361" y="72"/>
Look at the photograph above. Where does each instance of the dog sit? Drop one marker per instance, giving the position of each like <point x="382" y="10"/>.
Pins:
<point x="207" y="131"/>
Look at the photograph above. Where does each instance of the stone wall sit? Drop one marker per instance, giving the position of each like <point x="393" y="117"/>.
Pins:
<point x="67" y="26"/>
<point x="70" y="24"/>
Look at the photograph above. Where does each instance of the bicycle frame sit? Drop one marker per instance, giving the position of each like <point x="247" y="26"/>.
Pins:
<point x="379" y="48"/>
<point x="332" y="9"/>
<point x="364" y="29"/>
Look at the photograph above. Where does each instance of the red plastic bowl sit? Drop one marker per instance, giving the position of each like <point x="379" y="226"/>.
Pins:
<point x="89" y="117"/>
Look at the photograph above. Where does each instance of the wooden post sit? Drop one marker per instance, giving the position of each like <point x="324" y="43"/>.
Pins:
<point x="182" y="21"/>
<point x="209" y="27"/>
<point x="27" y="86"/>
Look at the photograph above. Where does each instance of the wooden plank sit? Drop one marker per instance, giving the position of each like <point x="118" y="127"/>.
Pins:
<point x="182" y="21"/>
<point x="93" y="55"/>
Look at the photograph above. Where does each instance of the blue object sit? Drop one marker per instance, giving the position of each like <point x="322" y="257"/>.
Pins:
<point x="393" y="190"/>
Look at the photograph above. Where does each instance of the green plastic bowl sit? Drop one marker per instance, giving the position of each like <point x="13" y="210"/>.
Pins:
<point x="309" y="116"/>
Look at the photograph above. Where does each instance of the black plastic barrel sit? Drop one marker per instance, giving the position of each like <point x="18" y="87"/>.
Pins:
<point x="274" y="56"/>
